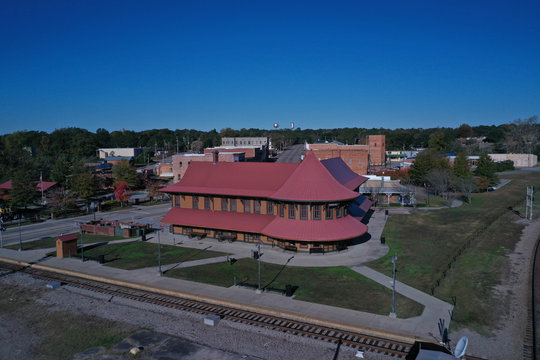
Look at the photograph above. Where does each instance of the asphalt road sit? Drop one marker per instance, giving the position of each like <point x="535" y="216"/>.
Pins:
<point x="52" y="228"/>
<point x="292" y="154"/>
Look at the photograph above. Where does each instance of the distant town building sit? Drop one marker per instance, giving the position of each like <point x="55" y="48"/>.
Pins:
<point x="246" y="141"/>
<point x="519" y="160"/>
<point x="112" y="152"/>
<point x="181" y="162"/>
<point x="358" y="157"/>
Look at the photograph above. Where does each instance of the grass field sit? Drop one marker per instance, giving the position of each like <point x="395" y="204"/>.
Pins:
<point x="49" y="242"/>
<point x="335" y="286"/>
<point x="460" y="254"/>
<point x="137" y="254"/>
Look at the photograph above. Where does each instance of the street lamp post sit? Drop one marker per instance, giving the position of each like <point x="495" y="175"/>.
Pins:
<point x="2" y="229"/>
<point x="82" y="243"/>
<point x="159" y="252"/>
<point x="393" y="313"/>
<point x="20" y="235"/>
<point x="259" y="260"/>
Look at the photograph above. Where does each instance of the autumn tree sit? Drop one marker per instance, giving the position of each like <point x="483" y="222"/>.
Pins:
<point x="84" y="183"/>
<point x="24" y="186"/>
<point x="464" y="131"/>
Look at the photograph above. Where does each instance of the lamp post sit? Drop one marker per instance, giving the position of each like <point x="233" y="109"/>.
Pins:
<point x="393" y="313"/>
<point x="259" y="261"/>
<point x="82" y="242"/>
<point x="159" y="252"/>
<point x="2" y="229"/>
<point x="20" y="236"/>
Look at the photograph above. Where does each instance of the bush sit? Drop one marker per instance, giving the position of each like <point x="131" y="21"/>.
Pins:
<point x="504" y="166"/>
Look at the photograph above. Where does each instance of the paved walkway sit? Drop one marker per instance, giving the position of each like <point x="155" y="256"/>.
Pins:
<point x="354" y="257"/>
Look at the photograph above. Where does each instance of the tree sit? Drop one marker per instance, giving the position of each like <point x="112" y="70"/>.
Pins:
<point x="123" y="171"/>
<point x="467" y="185"/>
<point x="438" y="141"/>
<point x="440" y="179"/>
<point x="61" y="170"/>
<point x="426" y="161"/>
<point x="464" y="131"/>
<point x="84" y="185"/>
<point x="120" y="192"/>
<point x="461" y="166"/>
<point x="24" y="187"/>
<point x="525" y="134"/>
<point x="486" y="168"/>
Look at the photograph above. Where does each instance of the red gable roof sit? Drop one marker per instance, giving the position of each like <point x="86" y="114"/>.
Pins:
<point x="307" y="181"/>
<point x="8" y="185"/>
<point x="68" y="237"/>
<point x="237" y="179"/>
<point x="311" y="181"/>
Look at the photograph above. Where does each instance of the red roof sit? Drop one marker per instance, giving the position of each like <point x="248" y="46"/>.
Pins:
<point x="276" y="227"/>
<point x="254" y="179"/>
<point x="315" y="230"/>
<point x="8" y="185"/>
<point x="68" y="237"/>
<point x="311" y="181"/>
<point x="231" y="221"/>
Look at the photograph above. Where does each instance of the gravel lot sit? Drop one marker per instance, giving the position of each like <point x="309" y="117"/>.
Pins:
<point x="237" y="340"/>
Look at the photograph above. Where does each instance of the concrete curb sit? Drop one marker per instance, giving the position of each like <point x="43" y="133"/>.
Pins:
<point x="243" y="306"/>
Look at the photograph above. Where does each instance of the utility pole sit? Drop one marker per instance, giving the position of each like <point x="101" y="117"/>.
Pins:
<point x="20" y="236"/>
<point x="177" y="144"/>
<point x="159" y="252"/>
<point x="82" y="243"/>
<point x="41" y="185"/>
<point x="2" y="229"/>
<point x="393" y="313"/>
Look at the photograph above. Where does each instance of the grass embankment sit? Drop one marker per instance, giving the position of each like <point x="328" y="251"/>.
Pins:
<point x="56" y="334"/>
<point x="335" y="286"/>
<point x="460" y="254"/>
<point x="137" y="254"/>
<point x="49" y="242"/>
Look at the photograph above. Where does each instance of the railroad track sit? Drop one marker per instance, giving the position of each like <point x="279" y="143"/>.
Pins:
<point x="361" y="341"/>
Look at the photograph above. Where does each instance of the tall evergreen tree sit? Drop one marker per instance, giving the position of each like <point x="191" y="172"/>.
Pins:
<point x="486" y="168"/>
<point x="461" y="166"/>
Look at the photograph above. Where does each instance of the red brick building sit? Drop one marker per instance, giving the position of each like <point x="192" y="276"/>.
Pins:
<point x="181" y="162"/>
<point x="311" y="206"/>
<point x="358" y="157"/>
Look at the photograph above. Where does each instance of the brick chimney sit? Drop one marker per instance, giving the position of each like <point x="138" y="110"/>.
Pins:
<point x="215" y="156"/>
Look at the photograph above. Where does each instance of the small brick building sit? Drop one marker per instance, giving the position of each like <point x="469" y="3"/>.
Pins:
<point x="66" y="245"/>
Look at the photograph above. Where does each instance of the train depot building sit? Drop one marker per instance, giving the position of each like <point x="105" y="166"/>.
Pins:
<point x="310" y="207"/>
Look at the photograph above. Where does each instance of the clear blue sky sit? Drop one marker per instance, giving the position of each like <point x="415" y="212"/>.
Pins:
<point x="214" y="64"/>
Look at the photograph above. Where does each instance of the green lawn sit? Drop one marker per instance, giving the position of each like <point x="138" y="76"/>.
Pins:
<point x="460" y="254"/>
<point x="137" y="254"/>
<point x="335" y="286"/>
<point x="49" y="242"/>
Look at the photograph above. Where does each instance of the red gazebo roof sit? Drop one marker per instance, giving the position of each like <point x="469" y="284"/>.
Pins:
<point x="8" y="185"/>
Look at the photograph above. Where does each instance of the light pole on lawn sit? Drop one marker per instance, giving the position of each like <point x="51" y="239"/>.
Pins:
<point x="393" y="313"/>
<point x="159" y="252"/>
<point x="82" y="242"/>
<point x="20" y="236"/>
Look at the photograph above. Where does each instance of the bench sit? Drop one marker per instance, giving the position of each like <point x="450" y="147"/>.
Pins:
<point x="199" y="235"/>
<point x="316" y="250"/>
<point x="290" y="248"/>
<point x="229" y="238"/>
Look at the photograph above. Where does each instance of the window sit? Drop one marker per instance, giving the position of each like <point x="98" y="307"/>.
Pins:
<point x="181" y="164"/>
<point x="359" y="161"/>
<point x="179" y="177"/>
<point x="233" y="205"/>
<point x="257" y="206"/>
<point x="316" y="212"/>
<point x="247" y="206"/>
<point x="281" y="210"/>
<point x="292" y="211"/>
<point x="339" y="212"/>
<point x="224" y="204"/>
<point x="269" y="207"/>
<point x="195" y="202"/>
<point x="176" y="201"/>
<point x="350" y="161"/>
<point x="329" y="213"/>
<point x="303" y="212"/>
<point x="207" y="205"/>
